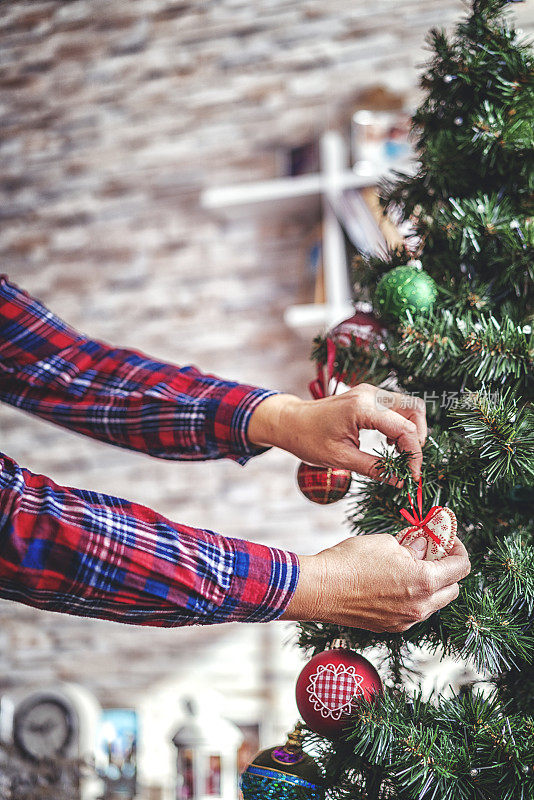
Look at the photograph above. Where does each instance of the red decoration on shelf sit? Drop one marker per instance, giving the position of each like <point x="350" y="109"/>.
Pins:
<point x="363" y="327"/>
<point x="323" y="485"/>
<point x="329" y="685"/>
<point x="367" y="333"/>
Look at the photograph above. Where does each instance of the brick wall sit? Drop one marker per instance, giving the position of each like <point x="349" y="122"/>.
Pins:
<point x="115" y="115"/>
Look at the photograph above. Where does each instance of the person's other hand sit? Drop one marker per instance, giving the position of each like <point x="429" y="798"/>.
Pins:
<point x="325" y="432"/>
<point x="373" y="582"/>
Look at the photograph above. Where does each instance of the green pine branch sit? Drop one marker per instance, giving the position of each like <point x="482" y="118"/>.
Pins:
<point x="428" y="346"/>
<point x="485" y="233"/>
<point x="465" y="748"/>
<point x="475" y="348"/>
<point x="498" y="353"/>
<point x="502" y="431"/>
<point x="480" y="627"/>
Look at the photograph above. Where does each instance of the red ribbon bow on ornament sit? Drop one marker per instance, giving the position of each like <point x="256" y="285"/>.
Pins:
<point x="319" y="387"/>
<point x="415" y="519"/>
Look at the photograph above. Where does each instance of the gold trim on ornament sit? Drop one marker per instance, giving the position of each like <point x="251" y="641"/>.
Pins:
<point x="328" y="483"/>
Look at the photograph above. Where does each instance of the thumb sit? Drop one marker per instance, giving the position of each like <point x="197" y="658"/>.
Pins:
<point x="418" y="547"/>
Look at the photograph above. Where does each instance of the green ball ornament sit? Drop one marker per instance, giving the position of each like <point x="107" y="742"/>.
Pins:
<point x="406" y="288"/>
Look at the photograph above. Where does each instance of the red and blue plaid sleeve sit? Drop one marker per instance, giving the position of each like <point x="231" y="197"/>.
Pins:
<point x="85" y="553"/>
<point x="118" y="396"/>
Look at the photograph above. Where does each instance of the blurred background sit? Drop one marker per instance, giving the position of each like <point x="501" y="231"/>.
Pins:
<point x="186" y="178"/>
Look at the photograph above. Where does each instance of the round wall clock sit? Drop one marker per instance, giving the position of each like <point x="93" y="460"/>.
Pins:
<point x="43" y="726"/>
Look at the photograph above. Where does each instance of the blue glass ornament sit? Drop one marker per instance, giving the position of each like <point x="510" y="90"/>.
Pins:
<point x="265" y="784"/>
<point x="283" y="773"/>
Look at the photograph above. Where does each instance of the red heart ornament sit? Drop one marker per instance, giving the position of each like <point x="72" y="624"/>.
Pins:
<point x="330" y="684"/>
<point x="442" y="527"/>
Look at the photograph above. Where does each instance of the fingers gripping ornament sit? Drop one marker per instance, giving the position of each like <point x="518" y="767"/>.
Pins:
<point x="329" y="687"/>
<point x="438" y="527"/>
<point x="323" y="485"/>
<point x="283" y="773"/>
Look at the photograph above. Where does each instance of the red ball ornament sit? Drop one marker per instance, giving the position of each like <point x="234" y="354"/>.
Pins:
<point x="323" y="484"/>
<point x="329" y="685"/>
<point x="363" y="327"/>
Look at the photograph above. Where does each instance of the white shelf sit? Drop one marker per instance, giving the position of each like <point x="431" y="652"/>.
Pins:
<point x="279" y="194"/>
<point x="320" y="193"/>
<point x="310" y="318"/>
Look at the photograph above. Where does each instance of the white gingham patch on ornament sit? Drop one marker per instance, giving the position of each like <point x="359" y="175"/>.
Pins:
<point x="443" y="525"/>
<point x="333" y="688"/>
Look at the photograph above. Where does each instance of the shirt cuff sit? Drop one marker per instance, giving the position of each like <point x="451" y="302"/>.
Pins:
<point x="232" y="419"/>
<point x="263" y="582"/>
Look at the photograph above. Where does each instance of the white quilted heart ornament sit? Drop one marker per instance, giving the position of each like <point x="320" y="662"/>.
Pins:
<point x="439" y="531"/>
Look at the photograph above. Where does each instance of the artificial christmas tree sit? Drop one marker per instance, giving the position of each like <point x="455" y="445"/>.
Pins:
<point x="470" y="355"/>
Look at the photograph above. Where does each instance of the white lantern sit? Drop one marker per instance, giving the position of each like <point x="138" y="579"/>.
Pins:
<point x="207" y="747"/>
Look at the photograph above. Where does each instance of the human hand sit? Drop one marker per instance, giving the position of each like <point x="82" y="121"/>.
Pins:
<point x="325" y="432"/>
<point x="373" y="582"/>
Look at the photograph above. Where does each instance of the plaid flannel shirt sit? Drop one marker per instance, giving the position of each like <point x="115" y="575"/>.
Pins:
<point x="92" y="554"/>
